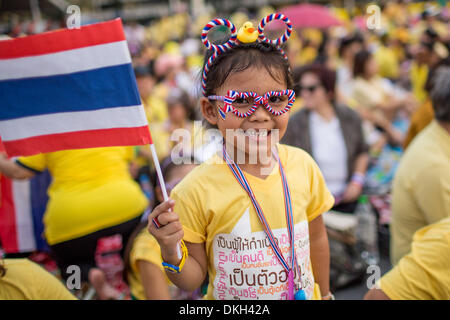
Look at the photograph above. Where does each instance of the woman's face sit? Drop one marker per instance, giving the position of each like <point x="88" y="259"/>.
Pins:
<point x="256" y="134"/>
<point x="312" y="92"/>
<point x="371" y="68"/>
<point x="177" y="113"/>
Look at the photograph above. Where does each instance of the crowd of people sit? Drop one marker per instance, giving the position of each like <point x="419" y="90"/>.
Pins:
<point x="371" y="117"/>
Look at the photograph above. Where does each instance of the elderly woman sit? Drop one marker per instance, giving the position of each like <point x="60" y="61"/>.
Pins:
<point x="331" y="133"/>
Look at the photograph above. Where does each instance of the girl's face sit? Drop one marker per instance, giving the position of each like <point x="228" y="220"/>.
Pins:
<point x="312" y="92"/>
<point x="258" y="133"/>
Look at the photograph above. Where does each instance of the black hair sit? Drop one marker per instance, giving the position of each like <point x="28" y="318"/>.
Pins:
<point x="243" y="56"/>
<point x="360" y="61"/>
<point x="326" y="76"/>
<point x="2" y="268"/>
<point x="440" y="95"/>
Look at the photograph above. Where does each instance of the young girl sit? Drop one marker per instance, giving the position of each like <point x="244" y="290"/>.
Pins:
<point x="240" y="223"/>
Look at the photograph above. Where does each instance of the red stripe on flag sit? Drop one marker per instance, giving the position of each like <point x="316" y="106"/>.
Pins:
<point x="8" y="225"/>
<point x="64" y="39"/>
<point x="79" y="140"/>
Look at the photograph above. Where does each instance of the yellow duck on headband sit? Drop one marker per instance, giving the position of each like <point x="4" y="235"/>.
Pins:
<point x="247" y="33"/>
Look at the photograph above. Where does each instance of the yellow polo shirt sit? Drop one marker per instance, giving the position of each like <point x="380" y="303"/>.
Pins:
<point x="423" y="274"/>
<point x="421" y="187"/>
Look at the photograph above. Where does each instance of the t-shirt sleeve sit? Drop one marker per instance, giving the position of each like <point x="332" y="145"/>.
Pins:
<point x="36" y="163"/>
<point x="422" y="274"/>
<point x="321" y="199"/>
<point x="146" y="248"/>
<point x="191" y="215"/>
<point x="48" y="287"/>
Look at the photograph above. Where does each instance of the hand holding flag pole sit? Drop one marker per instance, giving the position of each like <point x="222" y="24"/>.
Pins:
<point x="163" y="189"/>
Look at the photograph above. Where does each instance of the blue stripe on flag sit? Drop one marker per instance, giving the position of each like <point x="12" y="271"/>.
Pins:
<point x="81" y="91"/>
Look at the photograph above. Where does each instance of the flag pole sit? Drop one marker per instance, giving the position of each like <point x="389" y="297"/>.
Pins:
<point x="162" y="184"/>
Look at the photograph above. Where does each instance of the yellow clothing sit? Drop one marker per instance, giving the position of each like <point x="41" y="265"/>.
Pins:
<point x="91" y="190"/>
<point x="387" y="62"/>
<point x="26" y="280"/>
<point x="423" y="274"/>
<point x="369" y="93"/>
<point x="146" y="248"/>
<point x="419" y="120"/>
<point x="155" y="109"/>
<point x="216" y="210"/>
<point x="419" y="75"/>
<point x="421" y="187"/>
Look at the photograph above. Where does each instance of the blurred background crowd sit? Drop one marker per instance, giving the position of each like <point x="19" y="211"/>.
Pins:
<point x="378" y="67"/>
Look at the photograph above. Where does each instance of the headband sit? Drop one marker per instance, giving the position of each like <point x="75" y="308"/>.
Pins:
<point x="233" y="40"/>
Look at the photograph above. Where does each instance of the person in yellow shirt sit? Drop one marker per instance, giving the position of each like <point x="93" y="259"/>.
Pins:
<point x="421" y="188"/>
<point x="22" y="279"/>
<point x="229" y="210"/>
<point x="144" y="272"/>
<point x="181" y="117"/>
<point x="92" y="195"/>
<point x="422" y="117"/>
<point x="423" y="274"/>
<point x="387" y="59"/>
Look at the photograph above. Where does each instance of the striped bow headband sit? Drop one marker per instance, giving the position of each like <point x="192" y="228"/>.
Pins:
<point x="233" y="40"/>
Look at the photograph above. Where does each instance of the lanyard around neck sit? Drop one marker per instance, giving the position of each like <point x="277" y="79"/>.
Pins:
<point x="237" y="172"/>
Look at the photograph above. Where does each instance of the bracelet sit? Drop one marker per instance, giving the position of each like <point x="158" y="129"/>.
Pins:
<point x="177" y="269"/>
<point x="329" y="296"/>
<point x="358" y="178"/>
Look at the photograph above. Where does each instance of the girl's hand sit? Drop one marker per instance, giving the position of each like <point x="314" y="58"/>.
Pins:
<point x="170" y="233"/>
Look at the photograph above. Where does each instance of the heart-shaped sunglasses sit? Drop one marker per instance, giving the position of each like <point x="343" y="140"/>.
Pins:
<point x="244" y="104"/>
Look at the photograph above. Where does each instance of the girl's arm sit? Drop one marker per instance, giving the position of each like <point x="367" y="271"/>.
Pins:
<point x="168" y="236"/>
<point x="320" y="254"/>
<point x="154" y="281"/>
<point x="12" y="170"/>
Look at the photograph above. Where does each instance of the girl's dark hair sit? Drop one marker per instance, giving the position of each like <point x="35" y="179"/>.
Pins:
<point x="359" y="64"/>
<point x="327" y="78"/>
<point x="242" y="57"/>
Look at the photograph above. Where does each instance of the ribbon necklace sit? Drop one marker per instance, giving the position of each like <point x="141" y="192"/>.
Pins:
<point x="238" y="174"/>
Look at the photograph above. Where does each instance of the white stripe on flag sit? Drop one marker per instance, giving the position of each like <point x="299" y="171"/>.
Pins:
<point x="109" y="118"/>
<point x="24" y="217"/>
<point x="69" y="61"/>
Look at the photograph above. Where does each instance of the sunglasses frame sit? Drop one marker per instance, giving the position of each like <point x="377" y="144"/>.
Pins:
<point x="258" y="101"/>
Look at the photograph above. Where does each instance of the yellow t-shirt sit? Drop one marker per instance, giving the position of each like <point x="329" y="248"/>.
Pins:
<point x="421" y="187"/>
<point x="423" y="274"/>
<point x="214" y="209"/>
<point x="91" y="190"/>
<point x="26" y="280"/>
<point x="146" y="248"/>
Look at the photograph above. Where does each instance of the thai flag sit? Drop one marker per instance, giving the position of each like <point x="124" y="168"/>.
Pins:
<point x="69" y="89"/>
<point x="22" y="206"/>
